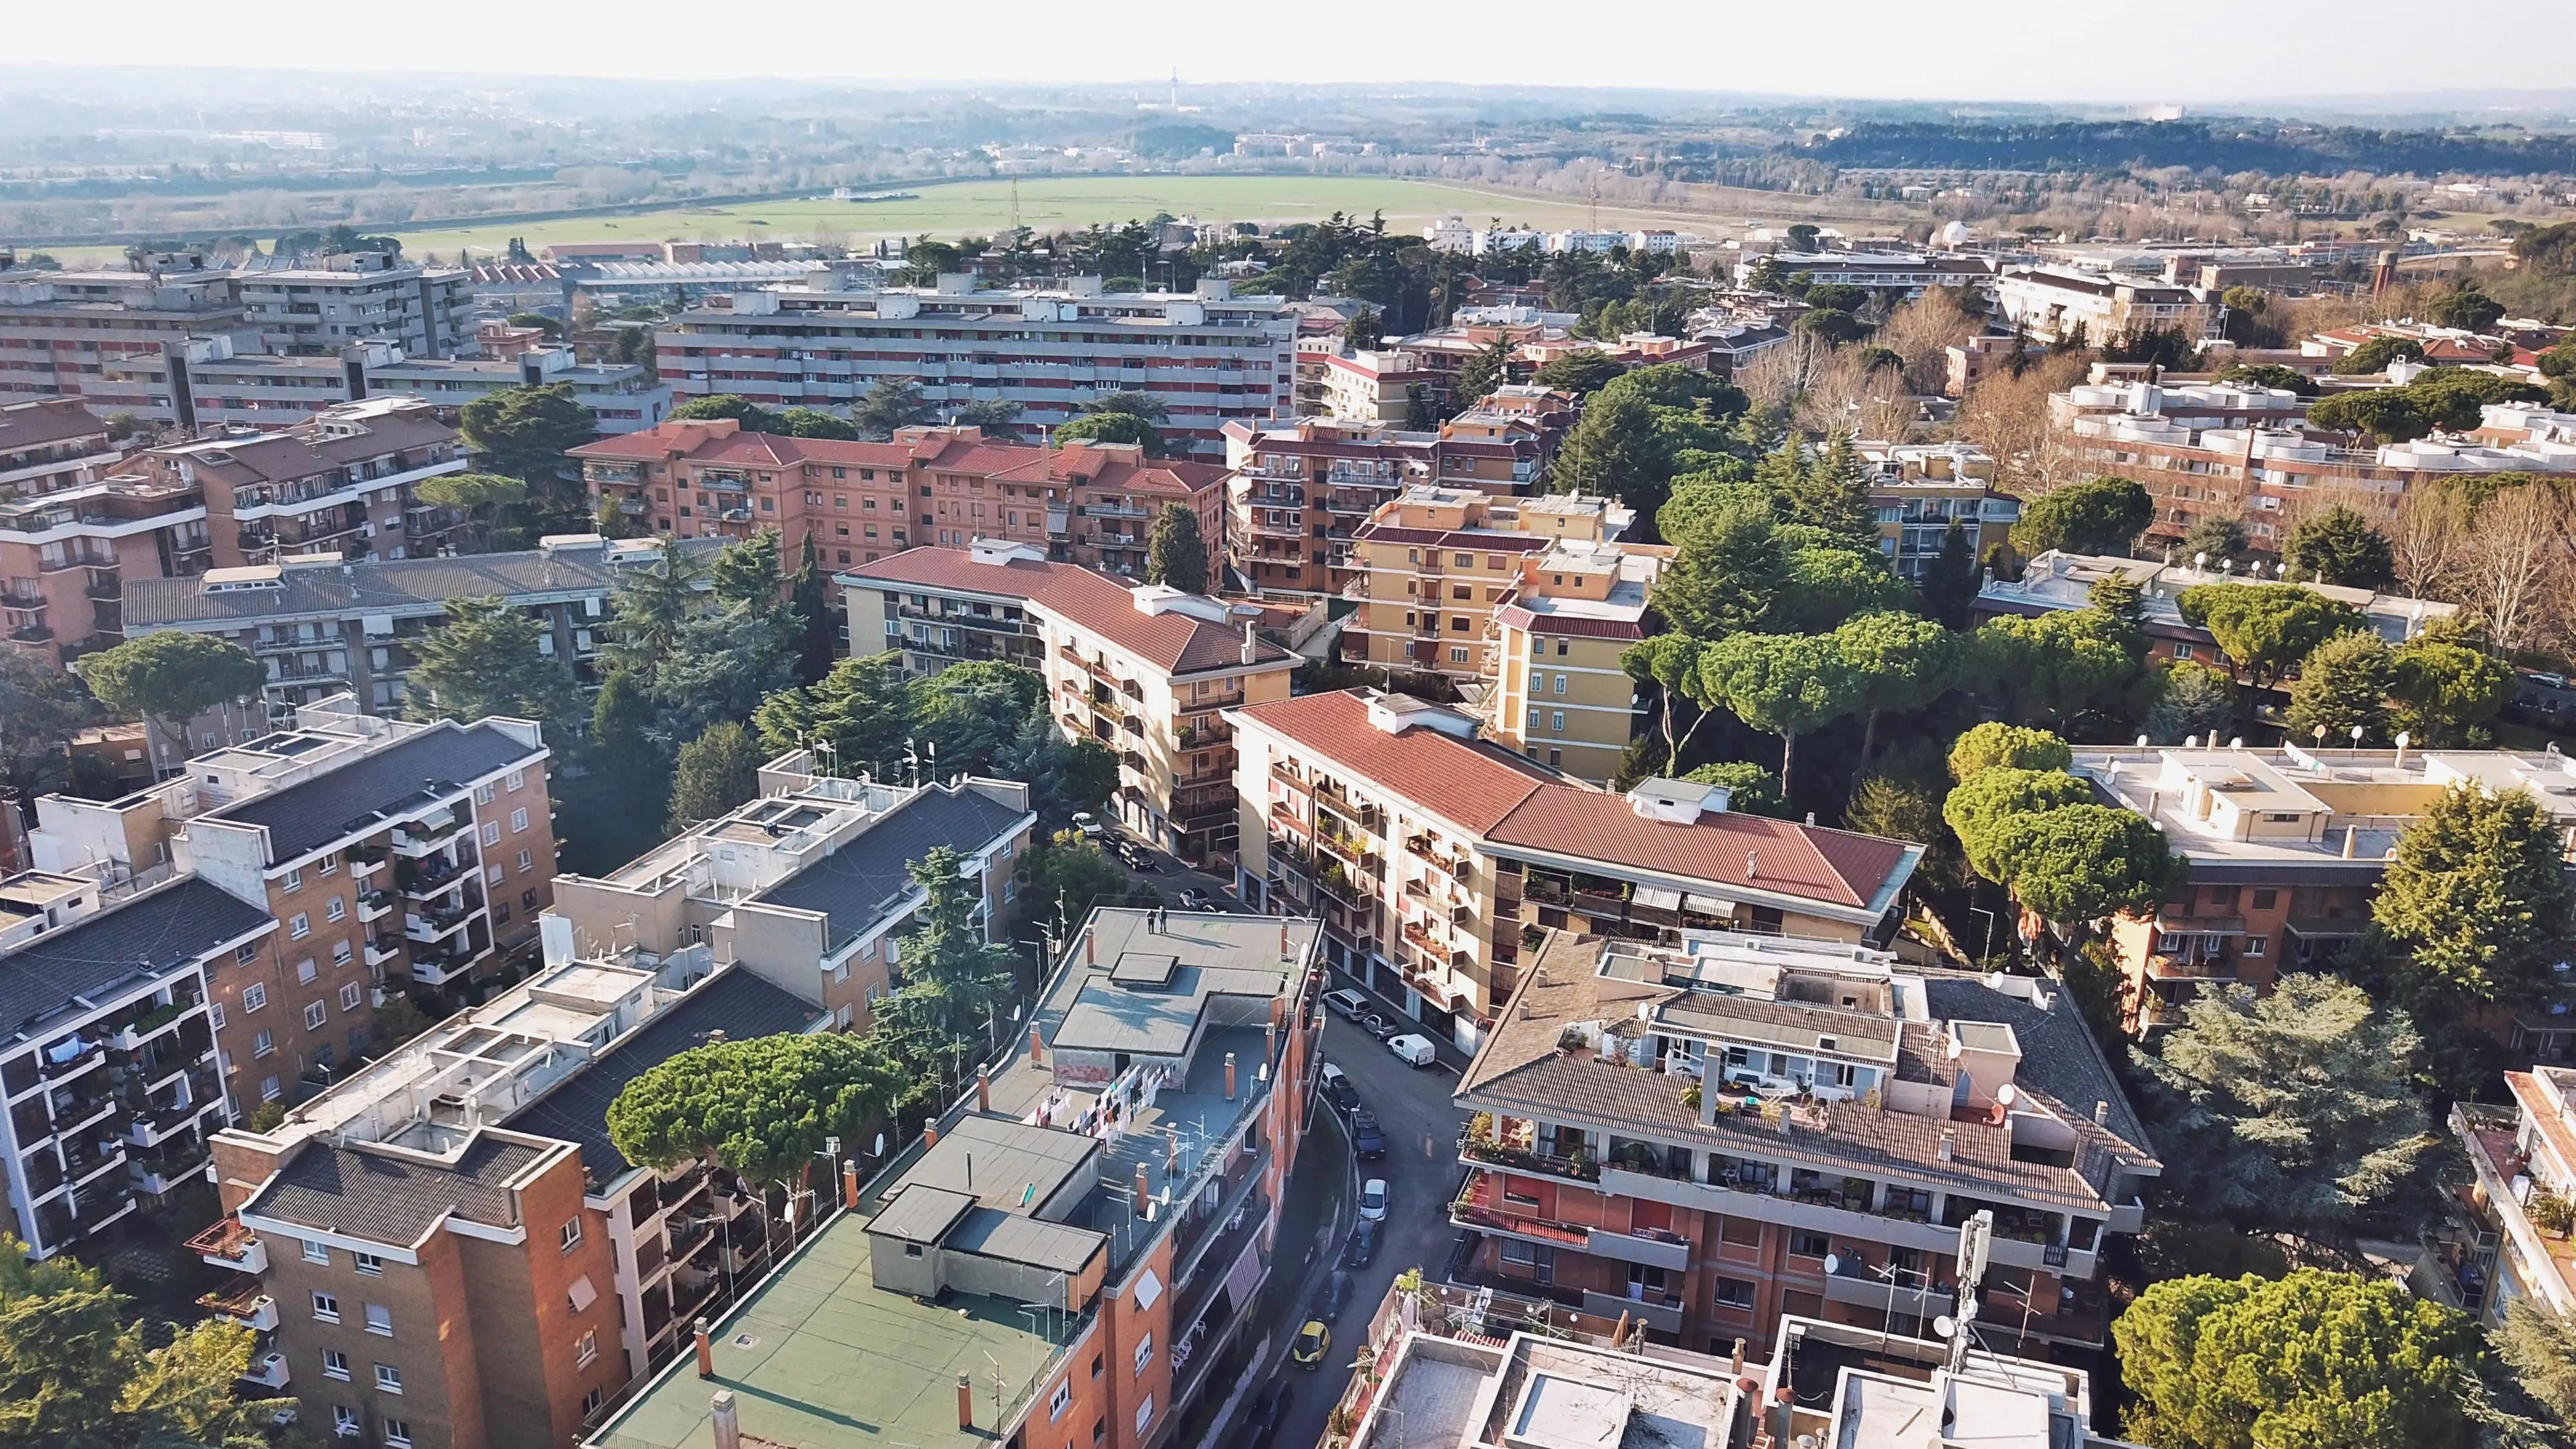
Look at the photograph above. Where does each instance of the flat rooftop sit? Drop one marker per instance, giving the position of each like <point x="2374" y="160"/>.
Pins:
<point x="819" y="1355"/>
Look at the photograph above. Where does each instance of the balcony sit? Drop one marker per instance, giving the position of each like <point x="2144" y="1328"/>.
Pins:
<point x="379" y="952"/>
<point x="268" y="1371"/>
<point x="440" y="970"/>
<point x="1661" y="1312"/>
<point x="1865" y="1289"/>
<point x="1744" y="1202"/>
<point x="230" y="1245"/>
<point x="421" y="837"/>
<point x="1653" y="1249"/>
<point x="433" y="880"/>
<point x="1576" y="1169"/>
<point x="245" y="1305"/>
<point x="435" y="927"/>
<point x="374" y="905"/>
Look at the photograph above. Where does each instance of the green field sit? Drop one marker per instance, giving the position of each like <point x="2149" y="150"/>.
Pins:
<point x="1056" y="203"/>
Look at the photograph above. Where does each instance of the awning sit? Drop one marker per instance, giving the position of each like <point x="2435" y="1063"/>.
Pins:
<point x="1659" y="898"/>
<point x="1709" y="905"/>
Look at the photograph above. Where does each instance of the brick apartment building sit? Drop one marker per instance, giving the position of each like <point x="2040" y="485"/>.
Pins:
<point x="1085" y="503"/>
<point x="1146" y="672"/>
<point x="1431" y="564"/>
<point x="394" y="858"/>
<point x="1208" y="355"/>
<point x="1428" y="853"/>
<point x="68" y="534"/>
<point x="1709" y="1135"/>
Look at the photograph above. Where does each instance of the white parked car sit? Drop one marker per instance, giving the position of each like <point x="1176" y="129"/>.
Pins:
<point x="1373" y="1200"/>
<point x="1414" y="1051"/>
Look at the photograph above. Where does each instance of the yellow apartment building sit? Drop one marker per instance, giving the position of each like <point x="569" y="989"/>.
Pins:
<point x="1432" y="563"/>
<point x="1556" y="692"/>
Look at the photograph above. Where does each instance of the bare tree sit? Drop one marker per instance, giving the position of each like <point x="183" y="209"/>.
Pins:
<point x="2514" y="559"/>
<point x="2426" y="535"/>
<point x="1922" y="333"/>
<point x="1848" y="397"/>
<point x="2008" y="417"/>
<point x="1779" y="377"/>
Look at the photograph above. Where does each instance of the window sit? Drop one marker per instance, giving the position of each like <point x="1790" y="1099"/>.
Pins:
<point x="335" y="909"/>
<point x="1560" y="684"/>
<point x="519" y="819"/>
<point x="1144" y="1413"/>
<point x="491" y="875"/>
<point x="369" y="1264"/>
<point x="330" y="865"/>
<point x="1804" y="1244"/>
<point x="1556" y="721"/>
<point x="491" y="832"/>
<point x="1096" y="1361"/>
<point x="2182" y="650"/>
<point x="1743" y="1232"/>
<point x="388" y="1379"/>
<point x="1060" y="1400"/>
<point x="262" y="1044"/>
<point x="585" y="1349"/>
<point x="298" y="926"/>
<point x="516" y="779"/>
<point x="1457" y="656"/>
<point x="335" y="1364"/>
<point x="344" y="1420"/>
<point x="315" y="1013"/>
<point x="380" y="1320"/>
<point x="1734" y="1293"/>
<point x="349" y="997"/>
<point x="527" y="861"/>
<point x="215" y="1015"/>
<point x="483" y="794"/>
<point x="1144" y="1352"/>
<point x="316" y="1252"/>
<point x="912" y="1250"/>
<point x="2257" y="945"/>
<point x="1523" y="1254"/>
<point x="528" y="900"/>
<point x="246" y="953"/>
<point x="570" y="1234"/>
<point x="326" y="1306"/>
<point x="270" y="1088"/>
<point x="591" y="1401"/>
<point x="305" y="971"/>
<point x="2265" y="897"/>
<point x="294" y="878"/>
<point x="397" y="1434"/>
<point x="340" y="953"/>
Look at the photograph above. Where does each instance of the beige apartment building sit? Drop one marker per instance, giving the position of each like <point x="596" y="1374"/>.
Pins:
<point x="1427" y="852"/>
<point x="1146" y="672"/>
<point x="808" y="885"/>
<point x="1917" y="490"/>
<point x="446" y="1251"/>
<point x="1432" y="563"/>
<point x="1557" y="693"/>
<point x="394" y="857"/>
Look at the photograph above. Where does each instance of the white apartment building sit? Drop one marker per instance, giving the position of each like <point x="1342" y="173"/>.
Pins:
<point x="2049" y="303"/>
<point x="206" y="381"/>
<point x="1209" y="356"/>
<point x="357" y="297"/>
<point x="1906" y="274"/>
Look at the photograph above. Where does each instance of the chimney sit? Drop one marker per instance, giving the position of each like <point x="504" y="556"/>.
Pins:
<point x="1739" y="1356"/>
<point x="706" y="1352"/>
<point x="2351" y="834"/>
<point x="1752" y="864"/>
<point x="728" y="1427"/>
<point x="1142" y="1197"/>
<point x="1949" y="1144"/>
<point x="984" y="1088"/>
<point x="1284" y="953"/>
<point x="850" y="1183"/>
<point x="1229" y="1076"/>
<point x="2101" y="1113"/>
<point x="1248" y="647"/>
<point x="929" y="1134"/>
<point x="1090" y="948"/>
<point x="1037" y="1048"/>
<point x="965" y="1402"/>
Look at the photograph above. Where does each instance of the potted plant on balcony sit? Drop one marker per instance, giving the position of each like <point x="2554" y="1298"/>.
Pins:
<point x="2551" y="1213"/>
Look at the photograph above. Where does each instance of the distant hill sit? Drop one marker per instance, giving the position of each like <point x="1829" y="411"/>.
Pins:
<point x="2273" y="149"/>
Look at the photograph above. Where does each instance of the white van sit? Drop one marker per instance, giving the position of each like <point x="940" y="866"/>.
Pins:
<point x="1413" y="1051"/>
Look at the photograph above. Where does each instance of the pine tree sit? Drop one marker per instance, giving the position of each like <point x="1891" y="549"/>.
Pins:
<point x="2342" y="683"/>
<point x="1176" y="555"/>
<point x="1951" y="579"/>
<point x="2476" y="896"/>
<point x="817" y="641"/>
<point x="489" y="659"/>
<point x="718" y="770"/>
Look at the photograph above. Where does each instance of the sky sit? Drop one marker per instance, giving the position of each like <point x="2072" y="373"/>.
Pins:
<point x="2054" y="50"/>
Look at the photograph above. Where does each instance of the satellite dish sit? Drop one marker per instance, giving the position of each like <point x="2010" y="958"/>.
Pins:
<point x="1944" y="1326"/>
<point x="2006" y="1093"/>
<point x="1833" y="1263"/>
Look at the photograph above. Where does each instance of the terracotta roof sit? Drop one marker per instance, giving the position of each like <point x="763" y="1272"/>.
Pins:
<point x="1834" y="866"/>
<point x="47" y="420"/>
<point x="1488" y="540"/>
<point x="1174" y="641"/>
<point x="1111" y="467"/>
<point x="299" y="452"/>
<point x="766" y="450"/>
<point x="1472" y="784"/>
<point x="1520" y="616"/>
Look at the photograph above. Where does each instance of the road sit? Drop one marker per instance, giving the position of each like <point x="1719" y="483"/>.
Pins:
<point x="1421" y="1171"/>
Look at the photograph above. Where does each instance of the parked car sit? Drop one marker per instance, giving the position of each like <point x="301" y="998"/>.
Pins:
<point x="1377" y="1026"/>
<point x="1363" y="1245"/>
<point x="1194" y="899"/>
<point x="1089" y="824"/>
<point x="1267" y="1412"/>
<point x="1373" y="1200"/>
<point x="1413" y="1051"/>
<point x="1368" y="1140"/>
<point x="1350" y="1004"/>
<point x="1337" y="1089"/>
<point x="1313" y="1341"/>
<point x="1331" y="1297"/>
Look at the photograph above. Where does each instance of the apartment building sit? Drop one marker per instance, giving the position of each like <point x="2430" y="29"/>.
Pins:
<point x="1208" y="355"/>
<point x="2262" y="473"/>
<point x="1074" y="1253"/>
<point x="2282" y="852"/>
<point x="1717" y="1133"/>
<point x="2050" y="304"/>
<point x="2057" y="580"/>
<point x="1557" y="691"/>
<point x="446" y="1250"/>
<point x="69" y="532"/>
<point x="1902" y="275"/>
<point x="337" y="482"/>
<point x="1380" y="385"/>
<point x="1431" y="564"/>
<point x="59" y="330"/>
<point x="1092" y="504"/>
<point x="109" y="1069"/>
<point x="393" y="857"/>
<point x="1300" y="490"/>
<point x="1428" y="853"/>
<point x="808" y="885"/>
<point x="2487" y="1254"/>
<point x="314" y="311"/>
<point x="1917" y="490"/>
<point x="323" y="627"/>
<point x="1145" y="672"/>
<point x="205" y="382"/>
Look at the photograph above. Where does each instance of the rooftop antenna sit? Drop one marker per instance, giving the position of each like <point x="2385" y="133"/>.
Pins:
<point x="1015" y="210"/>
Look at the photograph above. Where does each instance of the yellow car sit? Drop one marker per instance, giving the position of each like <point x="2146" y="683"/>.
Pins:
<point x="1312" y="1341"/>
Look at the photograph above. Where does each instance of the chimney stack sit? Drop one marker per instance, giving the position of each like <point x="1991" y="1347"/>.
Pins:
<point x="1229" y="1076"/>
<point x="727" y="1425"/>
<point x="1142" y="1197"/>
<point x="1249" y="649"/>
<point x="984" y="1087"/>
<point x="965" y="1402"/>
<point x="1284" y="953"/>
<point x="2351" y="835"/>
<point x="1739" y="1356"/>
<point x="706" y="1352"/>
<point x="1949" y="1144"/>
<point x="2101" y="1113"/>
<point x="1037" y="1048"/>
<point x="929" y="1134"/>
<point x="1090" y="948"/>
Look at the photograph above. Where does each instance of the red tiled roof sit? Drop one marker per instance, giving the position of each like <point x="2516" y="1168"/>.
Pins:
<point x="1490" y="540"/>
<point x="1573" y="626"/>
<point x="1834" y="866"/>
<point x="1177" y="642"/>
<point x="1472" y="784"/>
<point x="1108" y="467"/>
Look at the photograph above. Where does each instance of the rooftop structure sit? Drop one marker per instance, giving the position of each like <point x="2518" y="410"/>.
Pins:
<point x="2058" y="580"/>
<point x="1111" y="1189"/>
